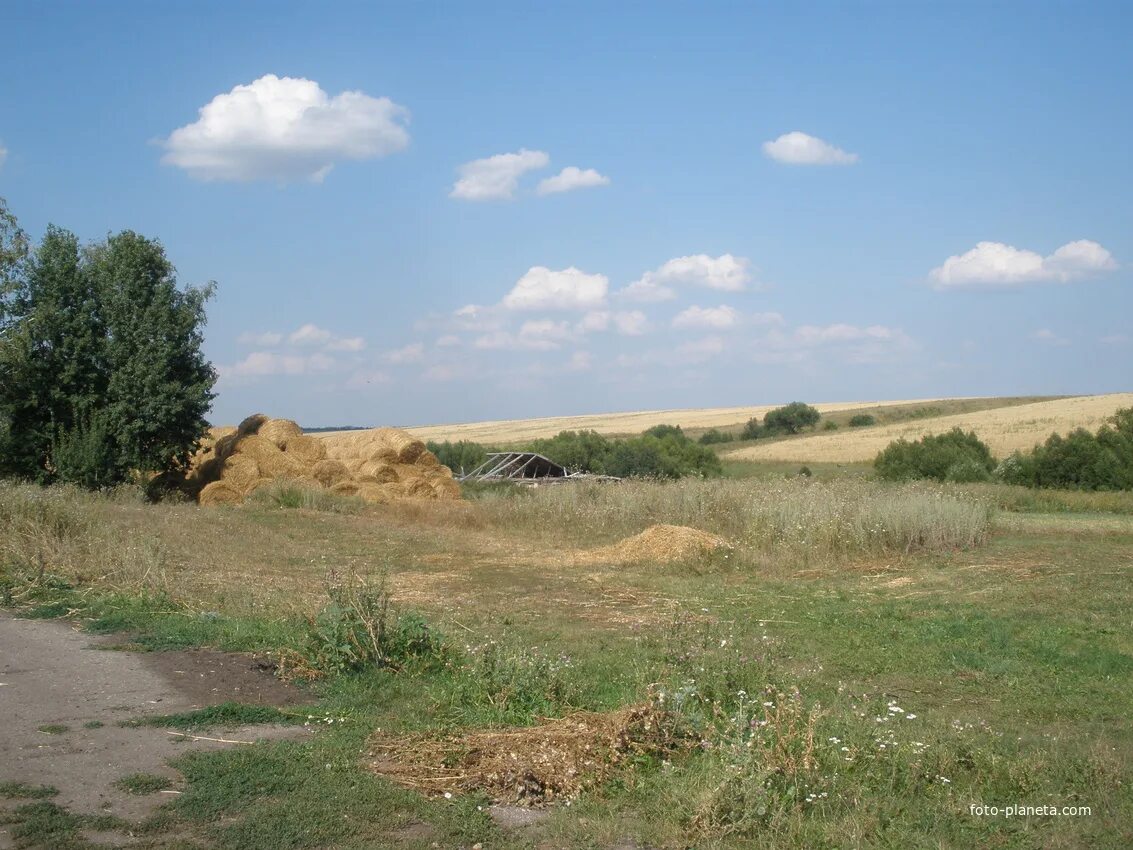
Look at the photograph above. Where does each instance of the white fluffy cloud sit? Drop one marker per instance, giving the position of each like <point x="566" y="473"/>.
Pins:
<point x="631" y="323"/>
<point x="797" y="148"/>
<point x="570" y="289"/>
<point x="496" y="177"/>
<point x="726" y="273"/>
<point x="707" y="317"/>
<point x="815" y="335"/>
<point x="997" y="264"/>
<point x="263" y="363"/>
<point x="571" y="178"/>
<point x="285" y="128"/>
<point x="310" y="335"/>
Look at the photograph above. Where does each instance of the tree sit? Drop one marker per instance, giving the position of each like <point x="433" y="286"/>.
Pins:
<point x="102" y="365"/>
<point x="952" y="456"/>
<point x="790" y="419"/>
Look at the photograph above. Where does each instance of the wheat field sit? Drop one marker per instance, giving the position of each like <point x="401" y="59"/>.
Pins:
<point x="507" y="431"/>
<point x="1004" y="429"/>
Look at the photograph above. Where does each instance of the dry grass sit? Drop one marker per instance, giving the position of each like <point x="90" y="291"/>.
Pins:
<point x="503" y="432"/>
<point x="1004" y="429"/>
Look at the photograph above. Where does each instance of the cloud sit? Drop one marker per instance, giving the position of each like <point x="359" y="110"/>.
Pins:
<point x="262" y="363"/>
<point x="707" y="317"/>
<point x="412" y="353"/>
<point x="260" y="340"/>
<point x="496" y="177"/>
<point x="1049" y="337"/>
<point x="813" y="335"/>
<point x="352" y="343"/>
<point x="448" y="341"/>
<point x="570" y="289"/>
<point x="580" y="361"/>
<point x="285" y="128"/>
<point x="631" y="323"/>
<point x="571" y="178"/>
<point x="1116" y="339"/>
<point x="3" y="155"/>
<point x="765" y="319"/>
<point x="997" y="264"/>
<point x="726" y="273"/>
<point x="797" y="148"/>
<point x="310" y="335"/>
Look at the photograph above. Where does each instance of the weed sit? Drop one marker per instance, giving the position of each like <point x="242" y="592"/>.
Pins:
<point x="54" y="729"/>
<point x="225" y="714"/>
<point x="23" y="791"/>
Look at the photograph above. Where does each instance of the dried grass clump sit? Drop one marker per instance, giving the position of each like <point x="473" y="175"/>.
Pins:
<point x="381" y="466"/>
<point x="660" y="544"/>
<point x="556" y="760"/>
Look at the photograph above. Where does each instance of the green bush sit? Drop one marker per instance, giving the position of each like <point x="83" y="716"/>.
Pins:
<point x="713" y="437"/>
<point x="752" y="430"/>
<point x="461" y="456"/>
<point x="862" y="420"/>
<point x="791" y="418"/>
<point x="954" y="456"/>
<point x="829" y="425"/>
<point x="661" y="452"/>
<point x="1078" y="461"/>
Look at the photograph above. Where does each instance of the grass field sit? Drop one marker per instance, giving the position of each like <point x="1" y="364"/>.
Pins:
<point x="862" y="666"/>
<point x="1004" y="429"/>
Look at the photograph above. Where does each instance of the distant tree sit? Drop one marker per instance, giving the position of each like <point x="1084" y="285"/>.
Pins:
<point x="862" y="420"/>
<point x="829" y="425"/>
<point x="663" y="431"/>
<point x="103" y="372"/>
<point x="791" y="418"/>
<point x="1079" y="460"/>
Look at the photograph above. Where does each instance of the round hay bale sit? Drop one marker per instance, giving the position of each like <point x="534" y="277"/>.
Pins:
<point x="353" y="464"/>
<point x="251" y="425"/>
<point x="219" y="493"/>
<point x="218" y="432"/>
<point x="240" y="472"/>
<point x="329" y="472"/>
<point x="258" y="484"/>
<point x="346" y="488"/>
<point x="273" y="463"/>
<point x="308" y="450"/>
<point x="376" y="472"/>
<point x="225" y="446"/>
<point x="408" y="447"/>
<point x="427" y="458"/>
<point x="382" y="454"/>
<point x="279" y="431"/>
<point x="445" y="488"/>
<point x="418" y="488"/>
<point x="375" y="494"/>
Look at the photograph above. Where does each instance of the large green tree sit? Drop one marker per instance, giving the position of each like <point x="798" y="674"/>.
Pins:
<point x="103" y="371"/>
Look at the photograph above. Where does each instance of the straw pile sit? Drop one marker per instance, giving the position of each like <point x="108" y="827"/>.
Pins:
<point x="378" y="466"/>
<point x="659" y="544"/>
<point x="530" y="766"/>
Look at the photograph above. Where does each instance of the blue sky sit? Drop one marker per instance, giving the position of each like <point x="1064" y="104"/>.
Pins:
<point x="425" y="212"/>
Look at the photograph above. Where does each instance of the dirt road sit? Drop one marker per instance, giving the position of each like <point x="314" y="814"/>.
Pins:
<point x="63" y="694"/>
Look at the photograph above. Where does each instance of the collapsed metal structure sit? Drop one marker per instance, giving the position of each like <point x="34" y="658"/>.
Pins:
<point x="526" y="468"/>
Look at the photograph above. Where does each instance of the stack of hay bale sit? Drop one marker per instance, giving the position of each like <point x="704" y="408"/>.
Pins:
<point x="379" y="466"/>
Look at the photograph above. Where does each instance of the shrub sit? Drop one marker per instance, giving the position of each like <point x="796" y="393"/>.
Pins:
<point x="954" y="456"/>
<point x="791" y="418"/>
<point x="713" y="437"/>
<point x="862" y="420"/>
<point x="461" y="456"/>
<point x="752" y="430"/>
<point x="1078" y="461"/>
<point x="661" y="452"/>
<point x="829" y="425"/>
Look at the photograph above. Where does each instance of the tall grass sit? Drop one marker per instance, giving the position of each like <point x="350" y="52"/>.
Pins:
<point x="798" y="518"/>
<point x="65" y="530"/>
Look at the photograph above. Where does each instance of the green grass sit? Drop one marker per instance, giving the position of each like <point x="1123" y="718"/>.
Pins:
<point x="23" y="791"/>
<point x="225" y="714"/>
<point x="54" y="729"/>
<point x="143" y="783"/>
<point x="1010" y="659"/>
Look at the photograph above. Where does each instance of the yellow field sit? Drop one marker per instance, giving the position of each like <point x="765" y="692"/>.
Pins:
<point x="1003" y="429"/>
<point x="521" y="430"/>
